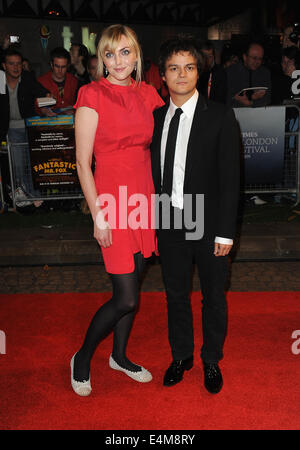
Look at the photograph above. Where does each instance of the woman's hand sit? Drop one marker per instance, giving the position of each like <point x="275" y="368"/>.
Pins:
<point x="103" y="234"/>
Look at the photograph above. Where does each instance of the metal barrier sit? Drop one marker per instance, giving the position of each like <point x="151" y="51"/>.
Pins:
<point x="290" y="181"/>
<point x="23" y="190"/>
<point x="291" y="171"/>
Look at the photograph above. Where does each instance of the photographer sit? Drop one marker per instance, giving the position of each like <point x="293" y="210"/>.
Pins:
<point x="4" y="46"/>
<point x="291" y="35"/>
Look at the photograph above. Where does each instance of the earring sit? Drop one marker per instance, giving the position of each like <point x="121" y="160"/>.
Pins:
<point x="105" y="71"/>
<point x="135" y="66"/>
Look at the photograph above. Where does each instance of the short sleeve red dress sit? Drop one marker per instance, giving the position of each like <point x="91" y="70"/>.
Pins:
<point x="123" y="166"/>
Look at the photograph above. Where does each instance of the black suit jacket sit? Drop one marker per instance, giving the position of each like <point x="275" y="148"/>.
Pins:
<point x="29" y="89"/>
<point x="212" y="164"/>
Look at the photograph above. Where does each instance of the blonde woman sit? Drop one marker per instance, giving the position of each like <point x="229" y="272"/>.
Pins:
<point x="114" y="121"/>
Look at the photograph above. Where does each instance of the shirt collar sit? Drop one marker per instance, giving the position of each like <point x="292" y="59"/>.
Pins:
<point x="188" y="107"/>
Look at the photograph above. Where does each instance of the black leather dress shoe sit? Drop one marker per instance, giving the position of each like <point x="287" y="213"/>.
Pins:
<point x="174" y="373"/>
<point x="213" y="380"/>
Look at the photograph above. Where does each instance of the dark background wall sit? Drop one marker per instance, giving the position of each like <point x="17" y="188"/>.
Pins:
<point x="30" y="43"/>
<point x="153" y="20"/>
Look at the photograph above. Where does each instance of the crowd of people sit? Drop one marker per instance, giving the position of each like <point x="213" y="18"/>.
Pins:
<point x="226" y="78"/>
<point x="69" y="70"/>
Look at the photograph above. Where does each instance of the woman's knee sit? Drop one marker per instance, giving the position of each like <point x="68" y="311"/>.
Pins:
<point x="127" y="304"/>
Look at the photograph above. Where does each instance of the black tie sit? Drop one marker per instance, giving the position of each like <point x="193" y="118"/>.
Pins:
<point x="170" y="153"/>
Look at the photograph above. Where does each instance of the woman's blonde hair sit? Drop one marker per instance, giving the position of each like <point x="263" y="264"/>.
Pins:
<point x="109" y="40"/>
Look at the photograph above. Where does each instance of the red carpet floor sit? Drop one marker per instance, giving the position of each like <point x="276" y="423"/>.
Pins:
<point x="261" y="372"/>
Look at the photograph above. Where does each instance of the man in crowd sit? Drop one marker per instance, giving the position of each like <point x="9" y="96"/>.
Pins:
<point x="229" y="55"/>
<point x="92" y="67"/>
<point x="79" y="59"/>
<point x="249" y="73"/>
<point x="213" y="79"/>
<point x="17" y="104"/>
<point x="61" y="84"/>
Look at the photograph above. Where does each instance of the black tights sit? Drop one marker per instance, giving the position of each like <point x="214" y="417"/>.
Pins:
<point x="117" y="314"/>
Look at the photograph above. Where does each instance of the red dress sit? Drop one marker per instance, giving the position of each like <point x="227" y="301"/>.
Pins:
<point x="123" y="166"/>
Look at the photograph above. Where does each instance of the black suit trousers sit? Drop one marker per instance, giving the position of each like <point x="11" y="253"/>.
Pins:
<point x="177" y="259"/>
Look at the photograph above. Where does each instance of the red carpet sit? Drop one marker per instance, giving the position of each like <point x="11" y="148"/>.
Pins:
<point x="261" y="373"/>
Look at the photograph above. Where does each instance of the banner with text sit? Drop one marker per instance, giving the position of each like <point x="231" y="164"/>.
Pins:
<point x="262" y="132"/>
<point x="52" y="151"/>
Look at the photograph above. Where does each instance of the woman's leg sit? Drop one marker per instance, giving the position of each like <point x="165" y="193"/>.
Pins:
<point x="123" y="302"/>
<point x="124" y="325"/>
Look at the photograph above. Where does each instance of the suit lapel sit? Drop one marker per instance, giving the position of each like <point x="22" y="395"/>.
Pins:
<point x="195" y="140"/>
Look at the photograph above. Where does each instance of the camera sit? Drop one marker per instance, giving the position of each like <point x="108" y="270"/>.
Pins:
<point x="14" y="39"/>
<point x="295" y="34"/>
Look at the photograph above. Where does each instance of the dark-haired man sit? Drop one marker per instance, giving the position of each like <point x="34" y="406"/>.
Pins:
<point x="92" y="68"/>
<point x="213" y="79"/>
<point x="202" y="159"/>
<point x="17" y="104"/>
<point x="79" y="59"/>
<point x="61" y="84"/>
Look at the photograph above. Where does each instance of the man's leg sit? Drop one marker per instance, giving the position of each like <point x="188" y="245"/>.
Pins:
<point x="213" y="272"/>
<point x="176" y="263"/>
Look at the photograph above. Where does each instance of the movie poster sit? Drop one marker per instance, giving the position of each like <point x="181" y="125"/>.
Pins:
<point x="52" y="152"/>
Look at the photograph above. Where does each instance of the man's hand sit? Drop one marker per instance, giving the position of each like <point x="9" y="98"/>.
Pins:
<point x="6" y="42"/>
<point x="258" y="94"/>
<point x="243" y="99"/>
<point x="222" y="249"/>
<point x="47" y="112"/>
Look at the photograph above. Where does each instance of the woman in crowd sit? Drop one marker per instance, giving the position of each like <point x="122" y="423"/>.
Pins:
<point x="114" y="120"/>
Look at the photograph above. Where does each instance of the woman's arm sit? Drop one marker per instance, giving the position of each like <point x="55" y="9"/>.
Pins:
<point x="86" y="122"/>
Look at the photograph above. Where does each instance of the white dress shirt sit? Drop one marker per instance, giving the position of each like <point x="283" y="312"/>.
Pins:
<point x="183" y="135"/>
